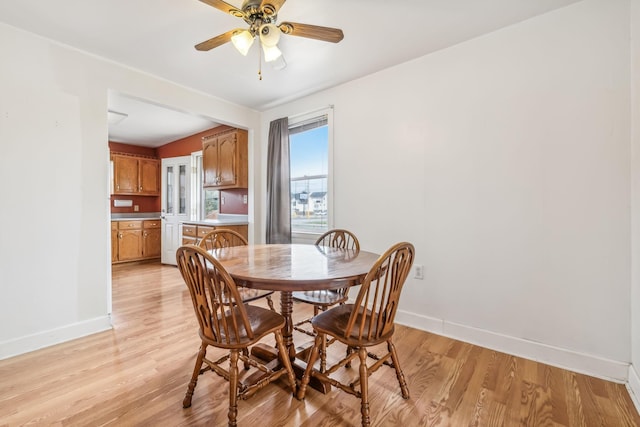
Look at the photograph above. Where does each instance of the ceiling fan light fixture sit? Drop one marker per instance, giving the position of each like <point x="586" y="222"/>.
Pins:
<point x="271" y="53"/>
<point x="278" y="63"/>
<point x="269" y="35"/>
<point x="242" y="40"/>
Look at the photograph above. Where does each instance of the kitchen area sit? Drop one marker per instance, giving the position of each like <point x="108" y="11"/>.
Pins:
<point x="174" y="193"/>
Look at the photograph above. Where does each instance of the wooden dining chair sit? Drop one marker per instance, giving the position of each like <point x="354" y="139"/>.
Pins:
<point x="224" y="238"/>
<point x="366" y="323"/>
<point x="323" y="299"/>
<point x="226" y="322"/>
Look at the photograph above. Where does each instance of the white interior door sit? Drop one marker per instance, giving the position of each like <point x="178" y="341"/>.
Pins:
<point x="176" y="194"/>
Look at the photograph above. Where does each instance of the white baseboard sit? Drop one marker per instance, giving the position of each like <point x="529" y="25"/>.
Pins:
<point x="54" y="336"/>
<point x="610" y="370"/>
<point x="633" y="386"/>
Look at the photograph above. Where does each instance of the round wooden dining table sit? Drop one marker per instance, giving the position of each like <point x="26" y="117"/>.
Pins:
<point x="294" y="267"/>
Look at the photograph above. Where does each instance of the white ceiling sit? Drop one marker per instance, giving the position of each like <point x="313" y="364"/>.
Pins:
<point x="150" y="125"/>
<point x="157" y="36"/>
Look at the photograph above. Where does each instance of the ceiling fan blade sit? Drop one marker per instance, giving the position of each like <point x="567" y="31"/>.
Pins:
<point x="271" y="7"/>
<point x="216" y="41"/>
<point x="327" y="34"/>
<point x="224" y="6"/>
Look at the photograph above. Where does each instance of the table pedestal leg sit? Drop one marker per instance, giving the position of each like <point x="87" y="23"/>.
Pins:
<point x="286" y="309"/>
<point x="298" y="356"/>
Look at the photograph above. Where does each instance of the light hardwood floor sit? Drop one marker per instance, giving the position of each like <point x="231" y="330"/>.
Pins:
<point x="137" y="374"/>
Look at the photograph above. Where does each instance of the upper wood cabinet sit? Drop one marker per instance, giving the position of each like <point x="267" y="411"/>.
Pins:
<point x="149" y="176"/>
<point x="134" y="175"/>
<point x="224" y="160"/>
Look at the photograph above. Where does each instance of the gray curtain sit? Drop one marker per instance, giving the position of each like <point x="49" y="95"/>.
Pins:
<point x="278" y="187"/>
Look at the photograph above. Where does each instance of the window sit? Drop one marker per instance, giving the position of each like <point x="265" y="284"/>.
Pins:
<point x="182" y="190"/>
<point x="309" y="145"/>
<point x="205" y="200"/>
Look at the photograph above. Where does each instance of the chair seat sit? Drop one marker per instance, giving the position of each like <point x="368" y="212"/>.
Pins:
<point x="249" y="295"/>
<point x="334" y="322"/>
<point x="263" y="322"/>
<point x="322" y="298"/>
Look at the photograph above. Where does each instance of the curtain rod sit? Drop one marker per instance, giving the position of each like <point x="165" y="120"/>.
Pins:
<point x="317" y="110"/>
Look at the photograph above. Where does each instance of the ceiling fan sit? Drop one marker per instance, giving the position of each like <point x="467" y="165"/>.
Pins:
<point x="261" y="16"/>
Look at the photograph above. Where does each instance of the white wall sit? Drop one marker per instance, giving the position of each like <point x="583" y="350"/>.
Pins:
<point x="505" y="160"/>
<point x="634" y="370"/>
<point x="54" y="249"/>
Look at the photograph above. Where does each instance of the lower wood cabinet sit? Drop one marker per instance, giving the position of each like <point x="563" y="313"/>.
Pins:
<point x="151" y="246"/>
<point x="114" y="241"/>
<point x="135" y="240"/>
<point x="192" y="233"/>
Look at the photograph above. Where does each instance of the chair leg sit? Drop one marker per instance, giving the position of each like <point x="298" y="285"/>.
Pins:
<point x="323" y="355"/>
<point x="245" y="353"/>
<point x="313" y="356"/>
<point x="284" y="358"/>
<point x="233" y="388"/>
<point x="349" y="351"/>
<point x="396" y="365"/>
<point x="364" y="387"/>
<point x="323" y="349"/>
<point x="270" y="303"/>
<point x="186" y="402"/>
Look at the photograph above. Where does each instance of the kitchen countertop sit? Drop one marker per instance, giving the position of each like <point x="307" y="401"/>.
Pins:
<point x="140" y="216"/>
<point x="221" y="220"/>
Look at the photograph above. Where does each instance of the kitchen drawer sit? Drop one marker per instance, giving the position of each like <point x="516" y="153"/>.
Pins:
<point x="190" y="230"/>
<point x="129" y="225"/>
<point x="204" y="229"/>
<point x="151" y="223"/>
<point x="186" y="240"/>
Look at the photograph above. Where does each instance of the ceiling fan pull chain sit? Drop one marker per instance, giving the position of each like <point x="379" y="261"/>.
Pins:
<point x="259" y="64"/>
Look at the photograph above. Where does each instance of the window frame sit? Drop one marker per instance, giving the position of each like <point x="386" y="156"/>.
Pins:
<point x="310" y="236"/>
<point x="197" y="212"/>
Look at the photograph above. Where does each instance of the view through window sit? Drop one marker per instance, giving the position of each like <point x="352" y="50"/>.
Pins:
<point x="205" y="200"/>
<point x="309" y="168"/>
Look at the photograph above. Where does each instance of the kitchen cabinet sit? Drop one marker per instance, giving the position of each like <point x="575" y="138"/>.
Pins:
<point x="114" y="241"/>
<point x="134" y="175"/>
<point x="189" y="234"/>
<point x="151" y="239"/>
<point x="129" y="240"/>
<point x="224" y="160"/>
<point x="192" y="233"/>
<point x="135" y="240"/>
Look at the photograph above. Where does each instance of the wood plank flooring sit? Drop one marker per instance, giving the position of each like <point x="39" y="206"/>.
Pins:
<point x="137" y="374"/>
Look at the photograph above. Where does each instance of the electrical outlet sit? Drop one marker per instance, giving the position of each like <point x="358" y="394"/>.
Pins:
<point x="419" y="271"/>
<point x="244" y="199"/>
<point x="136" y="208"/>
